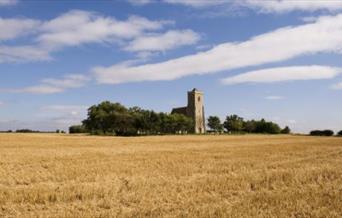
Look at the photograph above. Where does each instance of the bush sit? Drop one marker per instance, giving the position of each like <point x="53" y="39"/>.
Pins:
<point x="77" y="129"/>
<point x="339" y="133"/>
<point x="327" y="132"/>
<point x="286" y="130"/>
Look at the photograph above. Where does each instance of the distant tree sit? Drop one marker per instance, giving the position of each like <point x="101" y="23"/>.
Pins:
<point x="58" y="131"/>
<point x="77" y="129"/>
<point x="327" y="132"/>
<point x="263" y="126"/>
<point x="249" y="126"/>
<point x="286" y="130"/>
<point x="233" y="123"/>
<point x="339" y="133"/>
<point x="110" y="119"/>
<point x="214" y="123"/>
<point x="25" y="131"/>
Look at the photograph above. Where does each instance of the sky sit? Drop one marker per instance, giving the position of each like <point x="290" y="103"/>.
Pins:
<point x="279" y="60"/>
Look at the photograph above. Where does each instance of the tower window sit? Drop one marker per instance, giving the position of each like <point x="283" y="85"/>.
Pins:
<point x="199" y="99"/>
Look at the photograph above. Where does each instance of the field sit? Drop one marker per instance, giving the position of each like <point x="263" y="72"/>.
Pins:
<point x="50" y="175"/>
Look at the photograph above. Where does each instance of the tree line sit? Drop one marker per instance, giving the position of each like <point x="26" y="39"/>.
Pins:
<point x="109" y="118"/>
<point x="236" y="124"/>
<point x="326" y="132"/>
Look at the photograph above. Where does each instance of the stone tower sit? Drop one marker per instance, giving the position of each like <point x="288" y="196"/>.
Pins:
<point x="195" y="110"/>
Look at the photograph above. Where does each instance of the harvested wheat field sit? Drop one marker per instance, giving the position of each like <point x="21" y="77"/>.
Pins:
<point x="47" y="175"/>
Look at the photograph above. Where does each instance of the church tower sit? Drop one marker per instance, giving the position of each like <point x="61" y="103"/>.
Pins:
<point x="195" y="110"/>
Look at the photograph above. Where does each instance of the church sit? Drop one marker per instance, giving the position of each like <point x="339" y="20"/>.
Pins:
<point x="195" y="110"/>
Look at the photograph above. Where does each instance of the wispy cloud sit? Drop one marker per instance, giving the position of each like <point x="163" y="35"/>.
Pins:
<point x="274" y="97"/>
<point x="12" y="28"/>
<point x="23" y="53"/>
<point x="76" y="28"/>
<point x="165" y="41"/>
<point x="8" y="2"/>
<point x="63" y="115"/>
<point x="262" y="6"/>
<point x="282" y="6"/>
<point x="282" y="74"/>
<point x="324" y="35"/>
<point x="337" y="86"/>
<point x="52" y="86"/>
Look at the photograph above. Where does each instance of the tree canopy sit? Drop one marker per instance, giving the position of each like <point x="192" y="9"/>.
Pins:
<point x="109" y="118"/>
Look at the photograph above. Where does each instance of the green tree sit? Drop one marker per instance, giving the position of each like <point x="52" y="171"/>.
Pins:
<point x="339" y="133"/>
<point x="286" y="130"/>
<point x="109" y="118"/>
<point x="77" y="129"/>
<point x="249" y="126"/>
<point x="214" y="123"/>
<point x="233" y="123"/>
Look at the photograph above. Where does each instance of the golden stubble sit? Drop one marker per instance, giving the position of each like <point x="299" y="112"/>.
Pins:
<point x="50" y="175"/>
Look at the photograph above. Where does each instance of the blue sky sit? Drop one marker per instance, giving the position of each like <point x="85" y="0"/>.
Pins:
<point x="279" y="60"/>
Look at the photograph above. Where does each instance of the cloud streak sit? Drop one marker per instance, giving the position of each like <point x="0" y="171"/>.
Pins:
<point x="262" y="6"/>
<point x="77" y="27"/>
<point x="337" y="86"/>
<point x="274" y="97"/>
<point x="52" y="86"/>
<point x="324" y="35"/>
<point x="282" y="74"/>
<point x="162" y="42"/>
<point x="8" y="2"/>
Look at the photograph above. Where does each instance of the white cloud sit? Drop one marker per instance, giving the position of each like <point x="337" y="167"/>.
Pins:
<point x="337" y="86"/>
<point x="22" y="53"/>
<point x="76" y="28"/>
<point x="8" y="2"/>
<point x="12" y="28"/>
<point x="282" y="6"/>
<point x="79" y="27"/>
<point x="63" y="116"/>
<point x="1" y="103"/>
<point x="284" y="74"/>
<point x="263" y="6"/>
<point x="198" y="3"/>
<point x="274" y="97"/>
<point x="166" y="41"/>
<point x="325" y="35"/>
<point x="51" y="86"/>
<point x="139" y="2"/>
<point x="70" y="110"/>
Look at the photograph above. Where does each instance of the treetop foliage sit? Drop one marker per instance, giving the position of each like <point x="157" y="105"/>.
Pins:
<point x="109" y="118"/>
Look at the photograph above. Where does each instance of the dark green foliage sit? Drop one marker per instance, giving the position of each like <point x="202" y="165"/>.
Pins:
<point x="327" y="132"/>
<point x="339" y="133"/>
<point x="236" y="124"/>
<point x="263" y="126"/>
<point x="109" y="118"/>
<point x="250" y="126"/>
<point x="286" y="130"/>
<point x="26" y="131"/>
<point x="77" y="129"/>
<point x="233" y="123"/>
<point x="214" y="123"/>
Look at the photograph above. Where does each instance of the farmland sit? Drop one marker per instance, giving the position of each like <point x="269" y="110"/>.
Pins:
<point x="51" y="175"/>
